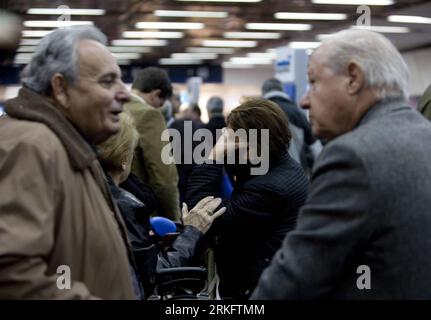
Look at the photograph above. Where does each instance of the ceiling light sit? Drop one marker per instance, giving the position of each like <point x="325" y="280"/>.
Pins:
<point x="249" y="60"/>
<point x="130" y="49"/>
<point x="303" y="44"/>
<point x="147" y="43"/>
<point x="54" y="23"/>
<point x="279" y="26"/>
<point x="27" y="49"/>
<point x="409" y="19"/>
<point x="229" y="65"/>
<point x="29" y="42"/>
<point x="229" y="43"/>
<point x="383" y="29"/>
<point x="191" y="14"/>
<point x="169" y="25"/>
<point x="324" y="36"/>
<point x="210" y="50"/>
<point x="59" y="11"/>
<point x="310" y="16"/>
<point x="35" y="33"/>
<point x="252" y="35"/>
<point x="127" y="55"/>
<point x="202" y="56"/>
<point x="265" y="55"/>
<point x="170" y="61"/>
<point x="239" y="1"/>
<point x="24" y="56"/>
<point x="356" y="2"/>
<point x="152" y="34"/>
<point x="123" y="62"/>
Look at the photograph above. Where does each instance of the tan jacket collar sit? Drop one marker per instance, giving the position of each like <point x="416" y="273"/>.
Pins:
<point x="34" y="107"/>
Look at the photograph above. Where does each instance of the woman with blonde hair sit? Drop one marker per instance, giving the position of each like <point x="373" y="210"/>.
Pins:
<point x="116" y="155"/>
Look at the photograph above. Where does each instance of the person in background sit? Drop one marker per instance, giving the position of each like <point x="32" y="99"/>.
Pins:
<point x="58" y="218"/>
<point x="151" y="88"/>
<point x="363" y="231"/>
<point x="262" y="208"/>
<point x="116" y="155"/>
<point x="304" y="147"/>
<point x="216" y="121"/>
<point x="10" y="36"/>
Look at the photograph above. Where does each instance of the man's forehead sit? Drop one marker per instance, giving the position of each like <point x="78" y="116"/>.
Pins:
<point x="317" y="58"/>
<point x="94" y="58"/>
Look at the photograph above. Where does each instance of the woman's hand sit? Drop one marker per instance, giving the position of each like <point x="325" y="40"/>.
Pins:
<point x="227" y="144"/>
<point x="202" y="215"/>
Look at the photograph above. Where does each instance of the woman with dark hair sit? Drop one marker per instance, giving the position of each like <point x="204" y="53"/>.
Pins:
<point x="262" y="208"/>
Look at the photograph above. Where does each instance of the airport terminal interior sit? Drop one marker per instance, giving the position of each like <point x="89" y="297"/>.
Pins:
<point x="118" y="120"/>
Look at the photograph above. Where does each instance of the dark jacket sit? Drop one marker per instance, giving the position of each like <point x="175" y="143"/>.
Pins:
<point x="215" y="122"/>
<point x="184" y="168"/>
<point x="302" y="136"/>
<point x="148" y="254"/>
<point x="369" y="205"/>
<point x="261" y="210"/>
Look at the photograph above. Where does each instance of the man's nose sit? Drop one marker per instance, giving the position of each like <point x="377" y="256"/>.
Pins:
<point x="305" y="101"/>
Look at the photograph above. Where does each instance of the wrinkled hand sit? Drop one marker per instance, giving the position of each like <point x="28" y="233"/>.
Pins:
<point x="202" y="215"/>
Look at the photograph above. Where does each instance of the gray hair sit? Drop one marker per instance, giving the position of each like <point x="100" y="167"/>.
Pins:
<point x="215" y="105"/>
<point x="384" y="69"/>
<point x="56" y="53"/>
<point x="272" y="85"/>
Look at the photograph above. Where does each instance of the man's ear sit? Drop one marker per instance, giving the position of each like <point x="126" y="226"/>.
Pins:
<point x="356" y="78"/>
<point x="59" y="90"/>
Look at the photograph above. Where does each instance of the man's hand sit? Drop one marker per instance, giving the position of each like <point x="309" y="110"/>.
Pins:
<point x="202" y="215"/>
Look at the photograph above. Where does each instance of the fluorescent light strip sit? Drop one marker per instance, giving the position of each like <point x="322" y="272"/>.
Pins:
<point x="153" y="34"/>
<point x="191" y="14"/>
<point x="29" y="42"/>
<point x="238" y="1"/>
<point x="210" y="50"/>
<point x="310" y="16"/>
<point x="170" y="25"/>
<point x="123" y="62"/>
<point x="383" y="29"/>
<point x="147" y="43"/>
<point x="54" y="23"/>
<point x="409" y="19"/>
<point x="21" y="61"/>
<point x="229" y="43"/>
<point x="35" y="33"/>
<point x="229" y="65"/>
<point x="130" y="49"/>
<point x="279" y="26"/>
<point x="24" y="56"/>
<point x="303" y="44"/>
<point x="262" y="55"/>
<point x="170" y="61"/>
<point x="58" y="11"/>
<point x="252" y="35"/>
<point x="27" y="49"/>
<point x="248" y="60"/>
<point x="324" y="36"/>
<point x="355" y="2"/>
<point x="126" y="55"/>
<point x="202" y="56"/>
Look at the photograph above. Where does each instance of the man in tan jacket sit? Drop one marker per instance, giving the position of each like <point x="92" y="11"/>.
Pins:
<point x="61" y="235"/>
<point x="151" y="87"/>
